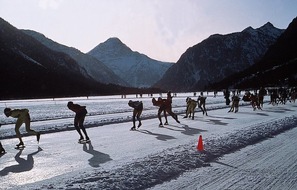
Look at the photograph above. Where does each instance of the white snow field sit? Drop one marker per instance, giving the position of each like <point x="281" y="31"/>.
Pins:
<point x="244" y="150"/>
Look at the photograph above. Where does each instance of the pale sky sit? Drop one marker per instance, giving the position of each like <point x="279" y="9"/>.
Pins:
<point x="161" y="29"/>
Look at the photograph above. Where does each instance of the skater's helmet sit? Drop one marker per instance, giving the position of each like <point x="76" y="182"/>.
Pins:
<point x="7" y="112"/>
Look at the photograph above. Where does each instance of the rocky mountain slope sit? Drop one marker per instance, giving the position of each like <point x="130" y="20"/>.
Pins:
<point x="134" y="68"/>
<point x="217" y="57"/>
<point x="278" y="67"/>
<point x="94" y="68"/>
<point x="29" y="69"/>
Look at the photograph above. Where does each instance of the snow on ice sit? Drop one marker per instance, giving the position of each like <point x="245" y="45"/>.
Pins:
<point x="151" y="157"/>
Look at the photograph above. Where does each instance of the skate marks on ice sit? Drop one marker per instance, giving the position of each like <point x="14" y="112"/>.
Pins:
<point x="22" y="165"/>
<point x="267" y="165"/>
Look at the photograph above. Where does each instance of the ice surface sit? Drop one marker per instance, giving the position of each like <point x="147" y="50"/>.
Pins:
<point x="151" y="157"/>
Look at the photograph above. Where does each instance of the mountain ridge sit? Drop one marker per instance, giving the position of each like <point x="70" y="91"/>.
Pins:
<point x="94" y="67"/>
<point x="218" y="57"/>
<point x="135" y="68"/>
<point x="278" y="67"/>
<point x="29" y="69"/>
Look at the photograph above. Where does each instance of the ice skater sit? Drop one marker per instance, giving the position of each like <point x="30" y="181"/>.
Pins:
<point x="191" y="105"/>
<point x="164" y="106"/>
<point x="235" y="104"/>
<point x="22" y="116"/>
<point x="201" y="104"/>
<point x="80" y="114"/>
<point x="138" y="107"/>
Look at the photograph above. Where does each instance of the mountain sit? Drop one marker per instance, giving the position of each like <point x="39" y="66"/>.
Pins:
<point x="94" y="68"/>
<point x="217" y="57"/>
<point x="29" y="69"/>
<point x="278" y="67"/>
<point x="134" y="68"/>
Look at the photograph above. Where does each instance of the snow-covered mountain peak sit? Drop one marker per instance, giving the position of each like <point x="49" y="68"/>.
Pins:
<point x="93" y="67"/>
<point x="112" y="47"/>
<point x="115" y="43"/>
<point x="268" y="28"/>
<point x="268" y="25"/>
<point x="133" y="67"/>
<point x="249" y="29"/>
<point x="217" y="57"/>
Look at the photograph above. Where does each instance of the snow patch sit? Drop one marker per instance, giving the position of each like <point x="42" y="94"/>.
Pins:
<point x="30" y="59"/>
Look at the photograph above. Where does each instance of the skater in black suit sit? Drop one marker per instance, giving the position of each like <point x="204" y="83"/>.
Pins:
<point x="80" y="114"/>
<point x="138" y="107"/>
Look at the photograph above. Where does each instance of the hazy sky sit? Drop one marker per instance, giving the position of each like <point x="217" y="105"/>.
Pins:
<point x="161" y="29"/>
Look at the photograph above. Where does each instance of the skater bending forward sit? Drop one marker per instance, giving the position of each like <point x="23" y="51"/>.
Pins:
<point x="80" y="114"/>
<point x="164" y="106"/>
<point x="138" y="107"/>
<point x="22" y="116"/>
<point x="191" y="105"/>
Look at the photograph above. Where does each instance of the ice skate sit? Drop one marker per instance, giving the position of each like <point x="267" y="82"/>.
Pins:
<point x="81" y="140"/>
<point x="2" y="151"/>
<point x="133" y="128"/>
<point x="176" y="119"/>
<point x="20" y="145"/>
<point x="38" y="137"/>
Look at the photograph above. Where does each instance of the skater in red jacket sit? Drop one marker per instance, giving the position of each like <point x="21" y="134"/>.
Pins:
<point x="80" y="114"/>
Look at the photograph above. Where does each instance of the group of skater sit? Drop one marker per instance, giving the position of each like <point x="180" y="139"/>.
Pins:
<point x="165" y="107"/>
<point x="164" y="104"/>
<point x="256" y="98"/>
<point x="23" y="117"/>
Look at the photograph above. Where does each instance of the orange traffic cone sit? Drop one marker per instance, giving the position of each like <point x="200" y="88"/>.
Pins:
<point x="200" y="144"/>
